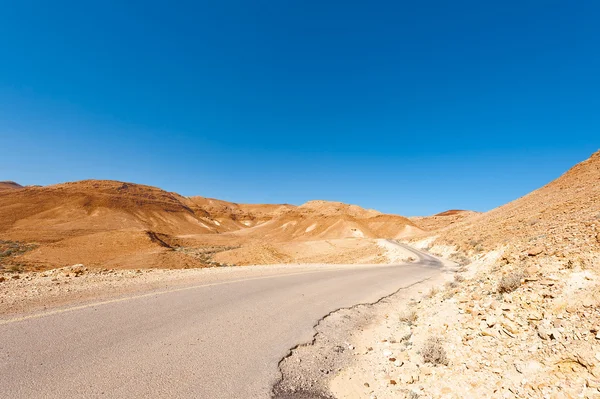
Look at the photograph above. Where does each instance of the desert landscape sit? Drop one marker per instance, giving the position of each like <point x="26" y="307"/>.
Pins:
<point x="145" y="227"/>
<point x="516" y="314"/>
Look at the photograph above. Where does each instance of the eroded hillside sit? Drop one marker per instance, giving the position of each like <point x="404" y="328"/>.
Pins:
<point x="101" y="223"/>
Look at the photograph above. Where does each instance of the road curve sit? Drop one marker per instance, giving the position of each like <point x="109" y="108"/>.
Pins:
<point x="207" y="341"/>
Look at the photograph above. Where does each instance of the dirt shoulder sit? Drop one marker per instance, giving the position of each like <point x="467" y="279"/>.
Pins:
<point x="344" y="336"/>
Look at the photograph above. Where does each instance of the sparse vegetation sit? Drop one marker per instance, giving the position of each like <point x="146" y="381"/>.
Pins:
<point x="461" y="259"/>
<point x="433" y="292"/>
<point x="412" y="395"/>
<point x="510" y="282"/>
<point x="409" y="317"/>
<point x="14" y="248"/>
<point x="433" y="352"/>
<point x="205" y="254"/>
<point x="16" y="268"/>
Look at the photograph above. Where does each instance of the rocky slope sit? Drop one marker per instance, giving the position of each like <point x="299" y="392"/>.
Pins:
<point x="561" y="219"/>
<point x="441" y="220"/>
<point x="521" y="317"/>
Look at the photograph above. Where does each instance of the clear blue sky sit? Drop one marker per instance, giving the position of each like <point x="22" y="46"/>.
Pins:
<point x="411" y="107"/>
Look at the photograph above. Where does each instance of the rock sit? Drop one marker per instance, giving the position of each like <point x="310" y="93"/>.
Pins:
<point x="543" y="333"/>
<point x="16" y="277"/>
<point x="529" y="367"/>
<point x="598" y="335"/>
<point x="534" y="316"/>
<point x="507" y="307"/>
<point x="366" y="384"/>
<point x="510" y="326"/>
<point x="554" y="334"/>
<point x="591" y="383"/>
<point x="588" y="303"/>
<point x="535" y="251"/>
<point x="2" y="279"/>
<point x="393" y="382"/>
<point x="398" y="363"/>
<point x="491" y="321"/>
<point x="387" y="353"/>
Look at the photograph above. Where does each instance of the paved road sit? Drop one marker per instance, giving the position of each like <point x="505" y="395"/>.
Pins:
<point x="207" y="341"/>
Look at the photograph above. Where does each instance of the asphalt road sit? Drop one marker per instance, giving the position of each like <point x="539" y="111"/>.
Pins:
<point x="220" y="340"/>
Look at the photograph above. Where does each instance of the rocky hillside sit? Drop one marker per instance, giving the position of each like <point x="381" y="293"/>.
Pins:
<point x="319" y="220"/>
<point x="560" y="219"/>
<point x="521" y="317"/>
<point x="442" y="219"/>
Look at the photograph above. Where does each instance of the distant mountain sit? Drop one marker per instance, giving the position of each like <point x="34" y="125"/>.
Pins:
<point x="442" y="219"/>
<point x="5" y="185"/>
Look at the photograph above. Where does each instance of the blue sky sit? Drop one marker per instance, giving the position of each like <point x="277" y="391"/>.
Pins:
<point x="406" y="107"/>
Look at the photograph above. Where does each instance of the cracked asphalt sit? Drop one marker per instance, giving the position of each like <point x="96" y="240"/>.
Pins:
<point x="217" y="340"/>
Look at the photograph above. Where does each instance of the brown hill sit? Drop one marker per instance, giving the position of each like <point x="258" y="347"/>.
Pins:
<point x="232" y="216"/>
<point x="97" y="222"/>
<point x="442" y="219"/>
<point x="109" y="223"/>
<point x="560" y="218"/>
<point x="321" y="220"/>
<point x="5" y="185"/>
<point x="63" y="210"/>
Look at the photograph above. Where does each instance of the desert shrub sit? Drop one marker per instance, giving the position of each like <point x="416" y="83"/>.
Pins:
<point x="15" y="268"/>
<point x="409" y="317"/>
<point x="433" y="352"/>
<point x="474" y="243"/>
<point x="461" y="259"/>
<point x="406" y="337"/>
<point x="433" y="292"/>
<point x="510" y="282"/>
<point x="458" y="278"/>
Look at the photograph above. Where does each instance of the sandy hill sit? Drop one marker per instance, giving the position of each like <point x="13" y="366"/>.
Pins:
<point x="116" y="224"/>
<point x="563" y="217"/>
<point x="330" y="208"/>
<point x="232" y="216"/>
<point x="57" y="211"/>
<point x="98" y="222"/>
<point x="319" y="220"/>
<point x="442" y="219"/>
<point x="4" y="185"/>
